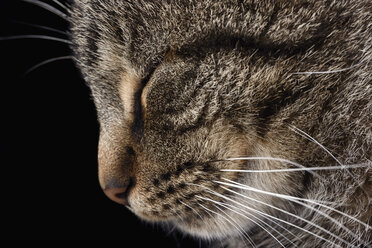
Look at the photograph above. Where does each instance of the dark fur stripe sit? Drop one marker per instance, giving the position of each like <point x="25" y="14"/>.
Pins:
<point x="271" y="107"/>
<point x="92" y="39"/>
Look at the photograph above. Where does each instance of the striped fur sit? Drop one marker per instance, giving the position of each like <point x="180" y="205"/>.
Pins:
<point x="209" y="80"/>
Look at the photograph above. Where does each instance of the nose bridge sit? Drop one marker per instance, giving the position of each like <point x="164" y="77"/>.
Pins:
<point x="115" y="165"/>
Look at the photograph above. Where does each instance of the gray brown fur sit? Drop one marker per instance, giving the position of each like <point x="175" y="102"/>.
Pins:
<point x="225" y="79"/>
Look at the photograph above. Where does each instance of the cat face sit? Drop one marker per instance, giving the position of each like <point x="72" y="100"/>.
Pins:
<point x="170" y="145"/>
<point x="168" y="126"/>
<point x="188" y="97"/>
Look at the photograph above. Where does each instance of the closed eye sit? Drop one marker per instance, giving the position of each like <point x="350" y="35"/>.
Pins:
<point x="144" y="90"/>
<point x="139" y="106"/>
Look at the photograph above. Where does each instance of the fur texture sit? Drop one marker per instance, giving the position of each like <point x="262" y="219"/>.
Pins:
<point x="181" y="86"/>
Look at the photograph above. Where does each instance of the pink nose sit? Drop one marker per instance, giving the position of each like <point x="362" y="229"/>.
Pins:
<point x="119" y="192"/>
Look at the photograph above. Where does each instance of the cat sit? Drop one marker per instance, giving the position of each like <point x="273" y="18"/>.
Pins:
<point x="246" y="123"/>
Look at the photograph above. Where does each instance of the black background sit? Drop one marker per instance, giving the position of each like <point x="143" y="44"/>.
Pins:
<point x="49" y="138"/>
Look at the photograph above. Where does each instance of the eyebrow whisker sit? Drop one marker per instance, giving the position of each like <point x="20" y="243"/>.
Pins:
<point x="48" y="7"/>
<point x="47" y="62"/>
<point x="61" y="5"/>
<point x="33" y="36"/>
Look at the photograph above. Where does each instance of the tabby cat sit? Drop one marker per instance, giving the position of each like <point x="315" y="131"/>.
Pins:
<point x="246" y="123"/>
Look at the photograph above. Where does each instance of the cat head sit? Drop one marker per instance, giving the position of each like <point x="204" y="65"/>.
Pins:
<point x="186" y="95"/>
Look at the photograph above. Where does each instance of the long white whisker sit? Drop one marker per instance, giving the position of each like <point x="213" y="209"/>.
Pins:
<point x="295" y="216"/>
<point x="263" y="216"/>
<point x="193" y="209"/>
<point x="328" y="217"/>
<point x="246" y="237"/>
<point x="263" y="222"/>
<point x="330" y="71"/>
<point x="266" y="158"/>
<point x="250" y="219"/>
<point x="47" y="62"/>
<point x="241" y="228"/>
<point x="307" y="136"/>
<point x="271" y="159"/>
<point x="298" y="201"/>
<point x="241" y="231"/>
<point x="291" y="198"/>
<point x="287" y="197"/>
<point x="267" y="215"/>
<point x="48" y="7"/>
<point x="31" y="36"/>
<point x="179" y="217"/>
<point x="61" y="5"/>
<point x="301" y="169"/>
<point x="266" y="218"/>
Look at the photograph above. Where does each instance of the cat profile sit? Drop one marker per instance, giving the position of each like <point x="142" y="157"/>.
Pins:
<point x="248" y="123"/>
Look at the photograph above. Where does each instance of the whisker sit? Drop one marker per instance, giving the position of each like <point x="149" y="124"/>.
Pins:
<point x="31" y="36"/>
<point x="215" y="193"/>
<point x="241" y="228"/>
<point x="170" y="229"/>
<point x="301" y="169"/>
<point x="261" y="221"/>
<point x="320" y="203"/>
<point x="307" y="136"/>
<point x="241" y="232"/>
<point x="223" y="205"/>
<point x="47" y="62"/>
<point x="193" y="209"/>
<point x="41" y="27"/>
<point x="328" y="217"/>
<point x="330" y="71"/>
<point x="298" y="201"/>
<point x="266" y="224"/>
<point x="295" y="216"/>
<point x="270" y="159"/>
<point x="279" y="225"/>
<point x="48" y="7"/>
<point x="61" y="5"/>
<point x="268" y="215"/>
<point x="180" y="217"/>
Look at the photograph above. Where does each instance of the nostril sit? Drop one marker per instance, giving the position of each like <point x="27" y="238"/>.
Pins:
<point x="120" y="194"/>
<point x="123" y="195"/>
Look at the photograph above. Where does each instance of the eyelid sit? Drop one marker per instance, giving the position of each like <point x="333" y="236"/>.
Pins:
<point x="145" y="89"/>
<point x="144" y="97"/>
